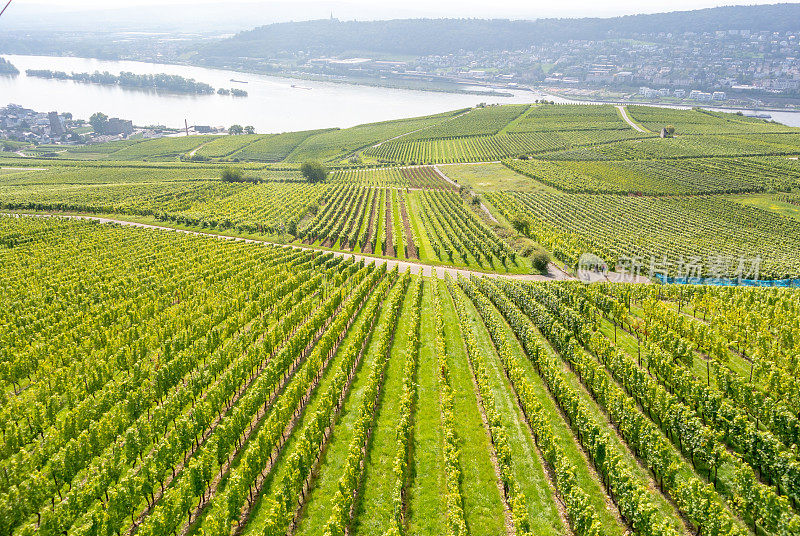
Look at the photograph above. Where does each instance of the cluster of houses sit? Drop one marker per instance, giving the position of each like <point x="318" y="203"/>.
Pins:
<point x="22" y="124"/>
<point x="694" y="95"/>
<point x="698" y="67"/>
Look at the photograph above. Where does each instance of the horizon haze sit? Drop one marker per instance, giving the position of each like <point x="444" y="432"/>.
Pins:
<point x="215" y="17"/>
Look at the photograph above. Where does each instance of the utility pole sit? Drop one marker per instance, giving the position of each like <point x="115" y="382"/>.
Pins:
<point x="186" y="123"/>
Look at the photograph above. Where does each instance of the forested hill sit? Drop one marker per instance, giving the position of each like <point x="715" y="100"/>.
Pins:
<point x="444" y="36"/>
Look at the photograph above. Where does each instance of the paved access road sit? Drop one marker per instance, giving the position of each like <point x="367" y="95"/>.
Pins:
<point x="628" y="120"/>
<point x="403" y="265"/>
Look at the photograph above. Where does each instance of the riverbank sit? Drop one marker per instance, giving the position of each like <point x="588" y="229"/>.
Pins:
<point x="661" y="104"/>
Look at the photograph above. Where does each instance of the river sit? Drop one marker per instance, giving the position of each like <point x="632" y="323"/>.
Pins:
<point x="274" y="104"/>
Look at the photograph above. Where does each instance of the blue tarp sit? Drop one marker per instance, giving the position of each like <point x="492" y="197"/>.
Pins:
<point x="728" y="282"/>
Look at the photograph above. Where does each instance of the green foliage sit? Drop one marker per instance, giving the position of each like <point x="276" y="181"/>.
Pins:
<point x="476" y="122"/>
<point x="660" y="176"/>
<point x="226" y="146"/>
<point x="314" y="171"/>
<point x="540" y="260"/>
<point x="212" y="375"/>
<point x="272" y="148"/>
<point x="99" y="122"/>
<point x="454" y="229"/>
<point x="403" y="177"/>
<point x="699" y="121"/>
<point x="670" y="228"/>
<point x="6" y="67"/>
<point x="335" y="145"/>
<point x="232" y="174"/>
<point x="167" y="82"/>
<point x="160" y="149"/>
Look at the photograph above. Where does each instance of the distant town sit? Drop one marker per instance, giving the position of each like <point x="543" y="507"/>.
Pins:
<point x="734" y="67"/>
<point x="19" y="124"/>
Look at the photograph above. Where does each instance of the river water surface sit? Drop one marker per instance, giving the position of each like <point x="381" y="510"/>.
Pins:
<point x="274" y="104"/>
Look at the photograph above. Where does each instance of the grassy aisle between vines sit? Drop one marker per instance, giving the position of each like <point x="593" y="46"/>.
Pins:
<point x="362" y="229"/>
<point x="258" y="514"/>
<point x="584" y="472"/>
<point x="317" y="509"/>
<point x="483" y="505"/>
<point x="628" y="343"/>
<point x="665" y="507"/>
<point x="426" y="509"/>
<point x="529" y="472"/>
<point x="380" y="216"/>
<point x="426" y="252"/>
<point x="397" y="221"/>
<point x="735" y="362"/>
<point x="375" y="508"/>
<point x="725" y="476"/>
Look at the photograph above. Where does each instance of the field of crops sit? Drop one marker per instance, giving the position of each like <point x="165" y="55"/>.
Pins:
<point x="571" y="132"/>
<point x="264" y="208"/>
<point x="274" y="148"/>
<point x="393" y="177"/>
<point x="687" y="146"/>
<point x="486" y="121"/>
<point x="158" y="383"/>
<point x="664" y="177"/>
<point x="122" y="198"/>
<point x="666" y="230"/>
<point x="489" y="148"/>
<point x="700" y="121"/>
<point x="433" y="225"/>
<point x="161" y="149"/>
<point x="227" y="145"/>
<point x="338" y="145"/>
<point x="569" y="117"/>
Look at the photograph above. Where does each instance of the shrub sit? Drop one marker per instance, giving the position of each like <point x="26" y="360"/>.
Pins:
<point x="232" y="174"/>
<point x="521" y="225"/>
<point x="314" y="171"/>
<point x="540" y="259"/>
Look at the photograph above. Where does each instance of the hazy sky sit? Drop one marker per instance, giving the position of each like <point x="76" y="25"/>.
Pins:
<point x="474" y="8"/>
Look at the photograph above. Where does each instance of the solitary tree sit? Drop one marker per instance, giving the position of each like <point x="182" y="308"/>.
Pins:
<point x="314" y="171"/>
<point x="540" y="259"/>
<point x="670" y="129"/>
<point x="232" y="174"/>
<point x="99" y="122"/>
<point x="235" y="129"/>
<point x="521" y="225"/>
<point x="249" y="129"/>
